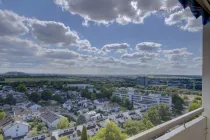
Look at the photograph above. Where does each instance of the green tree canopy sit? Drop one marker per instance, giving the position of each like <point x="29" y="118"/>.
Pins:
<point x="165" y="112"/>
<point x="193" y="106"/>
<point x="10" y="99"/>
<point x="135" y="127"/>
<point x="35" y="97"/>
<point x="1" y="137"/>
<point x="81" y="120"/>
<point x="46" y="95"/>
<point x="93" y="96"/>
<point x="153" y="115"/>
<point x="185" y="97"/>
<point x="21" y="88"/>
<point x="63" y="123"/>
<point x="84" y="135"/>
<point x="110" y="132"/>
<point x="178" y="103"/>
<point x="57" y="98"/>
<point x="158" y="113"/>
<point x="64" y="138"/>
<point x="2" y="115"/>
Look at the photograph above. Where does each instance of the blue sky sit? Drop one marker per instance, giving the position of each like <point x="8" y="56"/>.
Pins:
<point x="98" y="37"/>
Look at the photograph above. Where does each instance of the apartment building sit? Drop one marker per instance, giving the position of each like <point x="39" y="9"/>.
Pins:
<point x="141" y="100"/>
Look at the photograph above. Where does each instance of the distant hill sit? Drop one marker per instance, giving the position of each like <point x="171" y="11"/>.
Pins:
<point x="15" y="74"/>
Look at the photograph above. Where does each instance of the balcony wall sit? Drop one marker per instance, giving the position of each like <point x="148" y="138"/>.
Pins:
<point x="185" y="127"/>
<point x="193" y="130"/>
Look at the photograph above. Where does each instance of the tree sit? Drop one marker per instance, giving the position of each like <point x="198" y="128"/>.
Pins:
<point x="84" y="134"/>
<point x="135" y="127"/>
<point x="21" y="88"/>
<point x="1" y="137"/>
<point x="46" y="95"/>
<point x="10" y="99"/>
<point x="178" y="103"/>
<point x="81" y="120"/>
<point x="158" y="113"/>
<point x="35" y="97"/>
<point x="2" y="115"/>
<point x="64" y="138"/>
<point x="167" y="90"/>
<point x="57" y="98"/>
<point x="93" y="96"/>
<point x="165" y="112"/>
<point x="193" y="106"/>
<point x="153" y="115"/>
<point x="110" y="132"/>
<point x="116" y="99"/>
<point x="63" y="123"/>
<point x="185" y="97"/>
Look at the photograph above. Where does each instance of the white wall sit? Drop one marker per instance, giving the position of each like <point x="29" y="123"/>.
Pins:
<point x="206" y="76"/>
<point x="12" y="130"/>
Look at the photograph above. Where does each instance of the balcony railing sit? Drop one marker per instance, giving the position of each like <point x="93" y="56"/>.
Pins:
<point x="163" y="128"/>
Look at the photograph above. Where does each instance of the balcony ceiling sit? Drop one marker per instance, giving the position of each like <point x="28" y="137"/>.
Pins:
<point x="198" y="8"/>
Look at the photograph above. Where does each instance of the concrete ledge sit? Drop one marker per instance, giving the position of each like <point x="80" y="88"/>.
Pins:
<point x="161" y="129"/>
<point x="193" y="130"/>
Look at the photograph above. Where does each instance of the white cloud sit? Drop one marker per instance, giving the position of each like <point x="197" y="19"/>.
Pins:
<point x="53" y="33"/>
<point x="185" y="20"/>
<point x="142" y="56"/>
<point x="11" y="24"/>
<point x="118" y="47"/>
<point x="60" y="54"/>
<point x="176" y="55"/>
<point x="148" y="46"/>
<point x="17" y="47"/>
<point x="120" y="11"/>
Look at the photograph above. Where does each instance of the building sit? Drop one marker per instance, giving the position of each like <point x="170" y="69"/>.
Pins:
<point x="51" y="119"/>
<point x="74" y="133"/>
<point x="141" y="100"/>
<point x="142" y="81"/>
<point x="14" y="129"/>
<point x="26" y="114"/>
<point x="36" y="137"/>
<point x="81" y="86"/>
<point x="110" y="107"/>
<point x="101" y="101"/>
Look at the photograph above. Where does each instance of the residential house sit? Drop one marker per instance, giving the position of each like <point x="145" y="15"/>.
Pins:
<point x="51" y="119"/>
<point x="14" y="129"/>
<point x="101" y="101"/>
<point x="110" y="107"/>
<point x="26" y="114"/>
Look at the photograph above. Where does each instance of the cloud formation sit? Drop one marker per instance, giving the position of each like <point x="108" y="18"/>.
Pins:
<point x="148" y="46"/>
<point x="11" y="24"/>
<point x="118" y="47"/>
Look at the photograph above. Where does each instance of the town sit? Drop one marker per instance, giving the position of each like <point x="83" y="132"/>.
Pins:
<point x="31" y="110"/>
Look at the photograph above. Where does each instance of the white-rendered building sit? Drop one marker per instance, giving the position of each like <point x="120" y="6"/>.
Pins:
<point x="15" y="129"/>
<point x="141" y="100"/>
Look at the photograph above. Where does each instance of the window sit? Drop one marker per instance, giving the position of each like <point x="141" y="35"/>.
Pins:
<point x="36" y="138"/>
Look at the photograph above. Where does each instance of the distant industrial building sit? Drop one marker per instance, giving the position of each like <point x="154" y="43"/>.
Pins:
<point x="142" y="81"/>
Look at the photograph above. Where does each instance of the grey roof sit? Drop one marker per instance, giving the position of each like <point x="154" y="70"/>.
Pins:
<point x="22" y="111"/>
<point x="29" y="105"/>
<point x="110" y="105"/>
<point x="6" y="121"/>
<point x="50" y="116"/>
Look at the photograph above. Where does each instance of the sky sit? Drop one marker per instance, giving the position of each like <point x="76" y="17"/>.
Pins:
<point x="99" y="37"/>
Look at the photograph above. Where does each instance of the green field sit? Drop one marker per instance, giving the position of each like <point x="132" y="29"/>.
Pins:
<point x="41" y="79"/>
